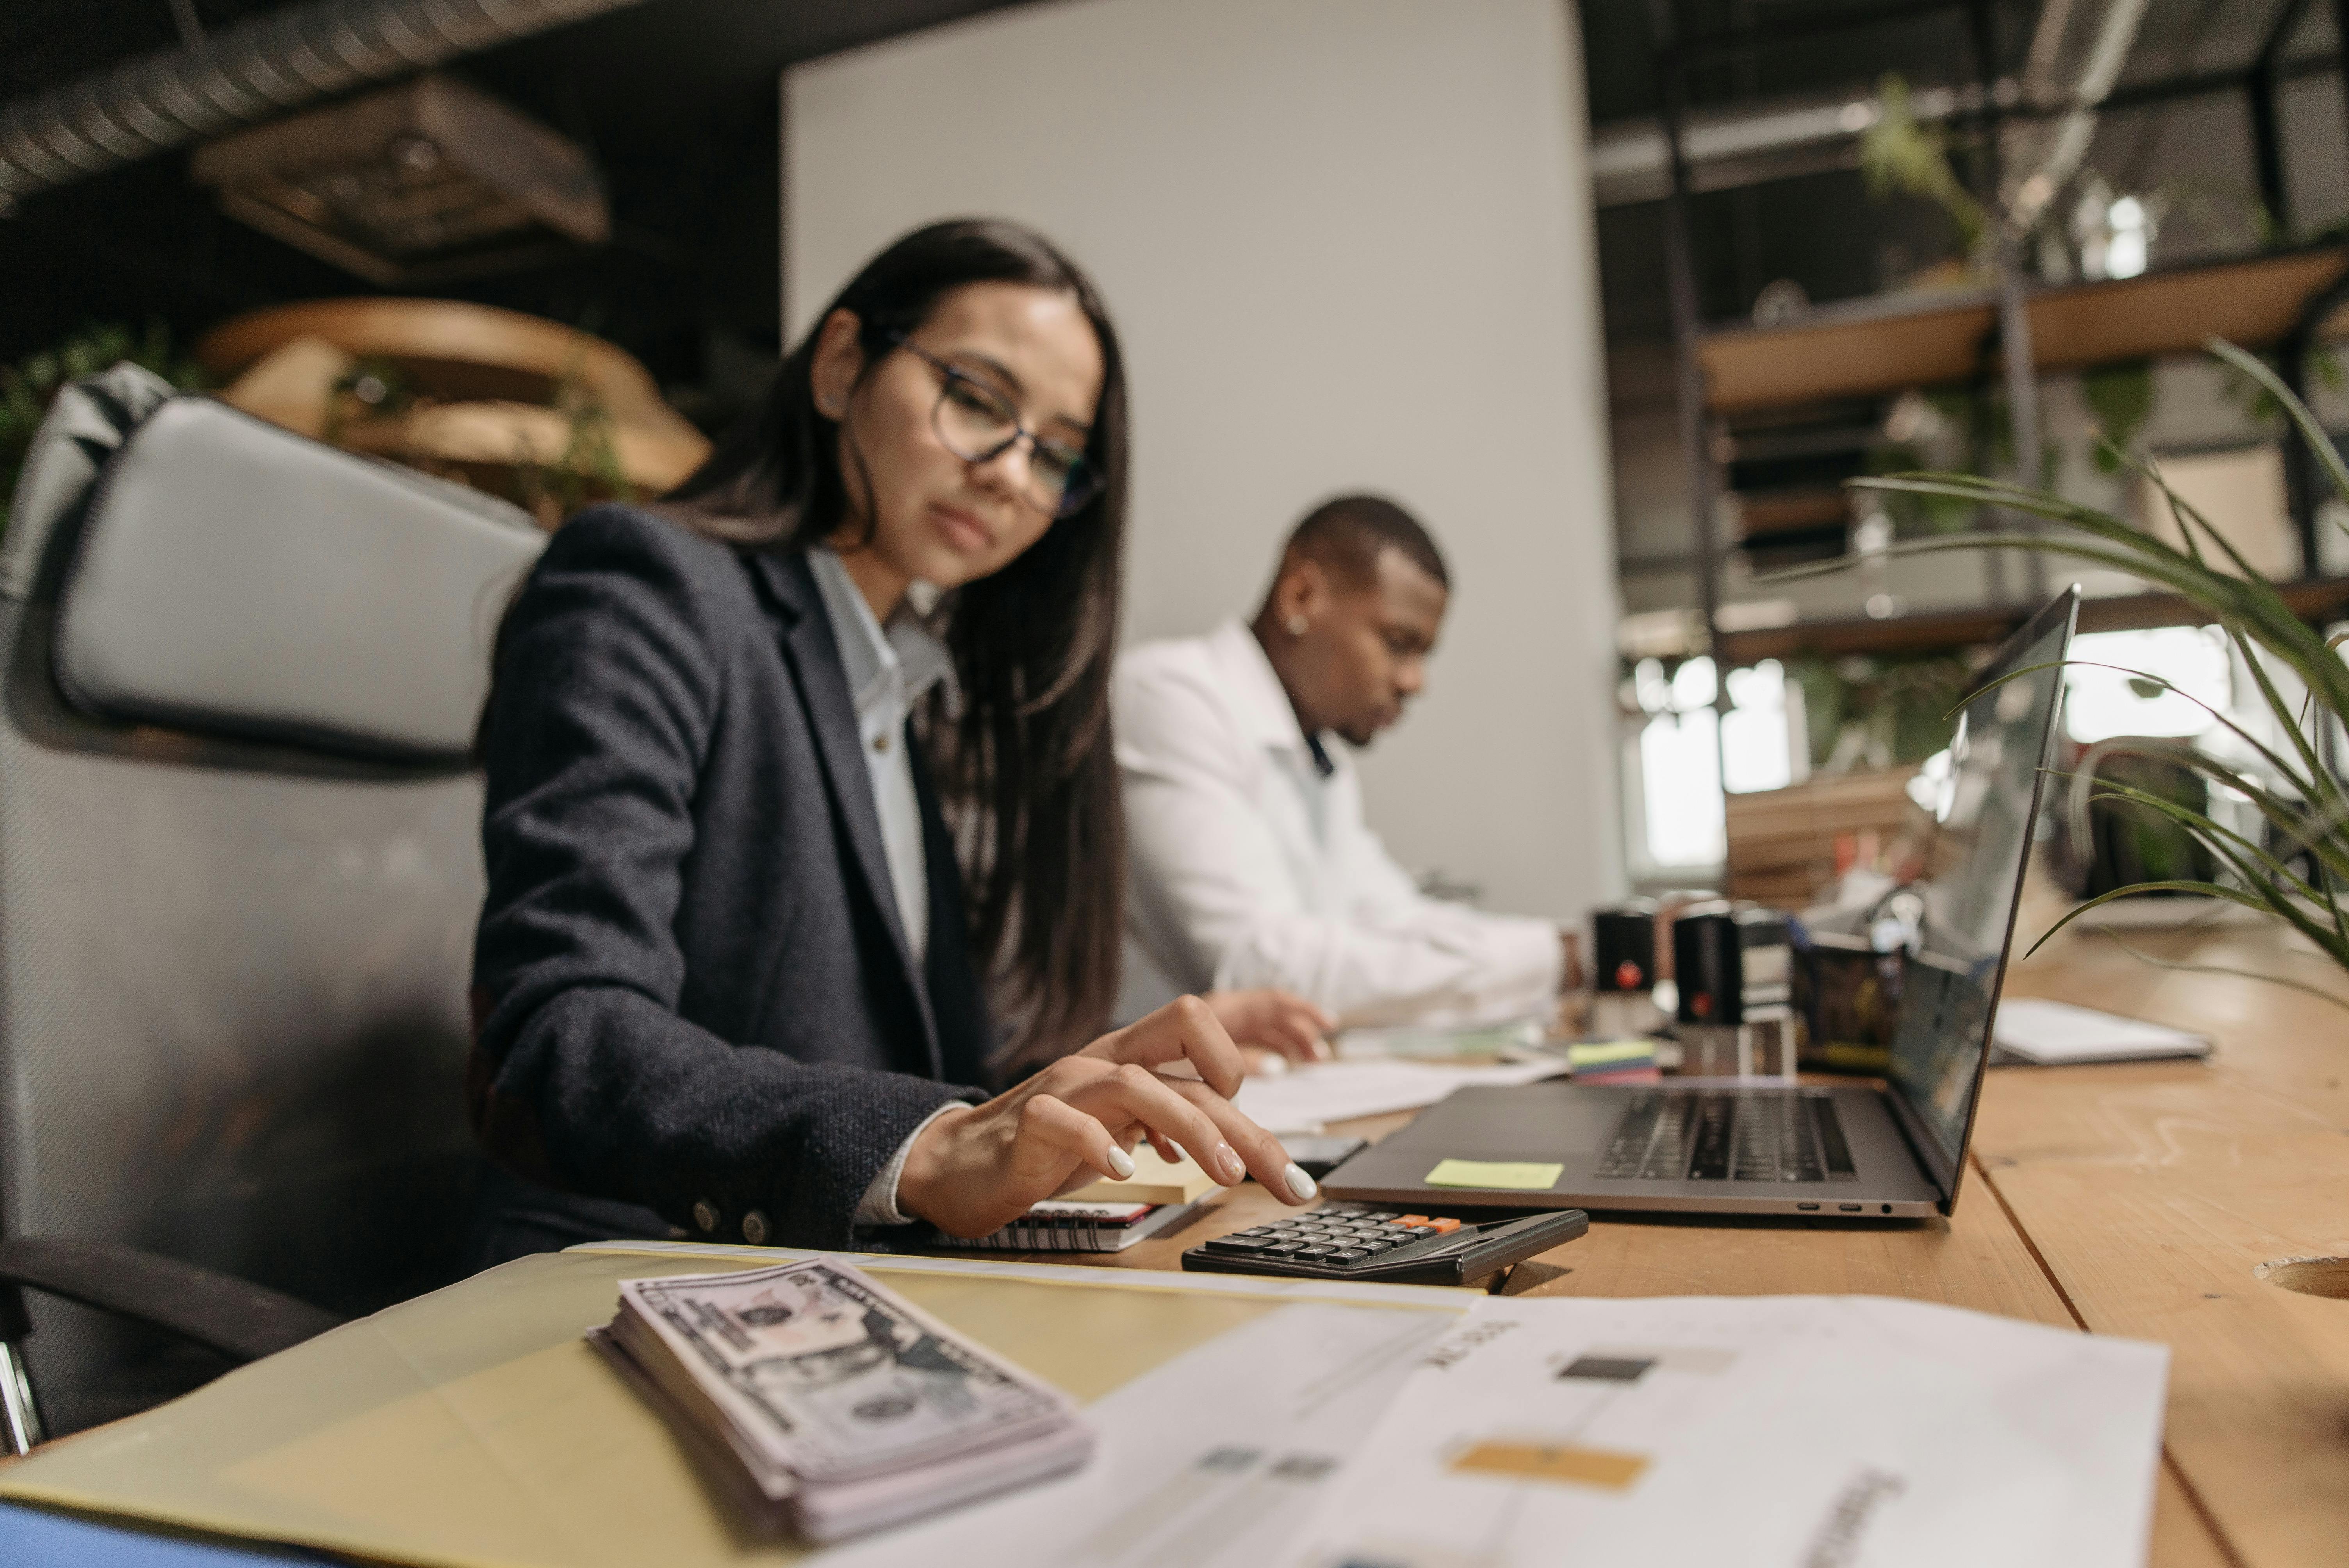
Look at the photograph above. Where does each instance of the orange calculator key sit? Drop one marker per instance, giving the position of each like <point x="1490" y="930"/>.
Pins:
<point x="1412" y="1220"/>
<point x="1443" y="1227"/>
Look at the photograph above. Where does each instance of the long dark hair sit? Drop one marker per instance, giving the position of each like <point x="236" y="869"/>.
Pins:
<point x="1025" y="769"/>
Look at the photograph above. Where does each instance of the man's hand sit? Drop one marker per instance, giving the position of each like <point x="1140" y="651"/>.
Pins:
<point x="1276" y="1021"/>
<point x="977" y="1169"/>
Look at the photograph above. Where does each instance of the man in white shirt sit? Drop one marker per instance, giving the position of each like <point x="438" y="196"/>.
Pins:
<point x="1250" y="863"/>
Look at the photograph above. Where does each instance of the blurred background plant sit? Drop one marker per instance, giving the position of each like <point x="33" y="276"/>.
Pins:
<point x="27" y="387"/>
<point x="1899" y="153"/>
<point x="1878" y="710"/>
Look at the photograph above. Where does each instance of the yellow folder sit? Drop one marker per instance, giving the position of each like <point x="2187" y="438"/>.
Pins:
<point x="474" y="1428"/>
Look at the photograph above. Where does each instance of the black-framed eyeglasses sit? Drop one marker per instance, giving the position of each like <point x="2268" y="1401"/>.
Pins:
<point x="978" y="424"/>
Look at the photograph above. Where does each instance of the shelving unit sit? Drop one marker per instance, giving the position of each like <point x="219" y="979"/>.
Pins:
<point x="1885" y="346"/>
<point x="2286" y="301"/>
<point x="2319" y="600"/>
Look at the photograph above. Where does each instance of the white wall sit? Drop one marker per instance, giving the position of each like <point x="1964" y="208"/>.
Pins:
<point x="1348" y="244"/>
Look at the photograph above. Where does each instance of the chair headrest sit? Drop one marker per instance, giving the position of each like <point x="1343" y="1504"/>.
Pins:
<point x="86" y="420"/>
<point x="232" y="577"/>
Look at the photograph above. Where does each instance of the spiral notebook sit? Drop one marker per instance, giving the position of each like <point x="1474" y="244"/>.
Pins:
<point x="1065" y="1226"/>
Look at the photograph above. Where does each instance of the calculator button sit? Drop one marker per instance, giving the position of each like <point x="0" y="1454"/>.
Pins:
<point x="1410" y="1220"/>
<point x="1256" y="1231"/>
<point x="1284" y="1247"/>
<point x="1350" y="1256"/>
<point x="1379" y="1215"/>
<point x="1317" y="1252"/>
<point x="1445" y="1227"/>
<point x="1373" y="1249"/>
<point x="1238" y="1244"/>
<point x="1421" y="1230"/>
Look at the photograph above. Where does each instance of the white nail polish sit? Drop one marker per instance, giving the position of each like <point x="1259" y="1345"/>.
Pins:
<point x="1233" y="1168"/>
<point x="1300" y="1186"/>
<point x="1121" y="1162"/>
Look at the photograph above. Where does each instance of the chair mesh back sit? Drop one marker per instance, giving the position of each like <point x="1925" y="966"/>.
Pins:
<point x="233" y="1020"/>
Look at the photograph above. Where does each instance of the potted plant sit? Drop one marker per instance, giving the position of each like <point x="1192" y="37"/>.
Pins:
<point x="2297" y="872"/>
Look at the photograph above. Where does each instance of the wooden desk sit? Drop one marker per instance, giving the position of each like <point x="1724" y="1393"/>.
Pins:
<point x="2131" y="1200"/>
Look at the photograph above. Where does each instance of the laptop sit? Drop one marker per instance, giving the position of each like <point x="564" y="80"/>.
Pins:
<point x="1730" y="1147"/>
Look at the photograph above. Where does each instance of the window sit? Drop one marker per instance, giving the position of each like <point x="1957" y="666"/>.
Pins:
<point x="1684" y="749"/>
<point x="2102" y="700"/>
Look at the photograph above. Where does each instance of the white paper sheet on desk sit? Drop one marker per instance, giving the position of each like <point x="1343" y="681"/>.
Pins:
<point x="1513" y="1040"/>
<point x="1778" y="1432"/>
<point x="1213" y="1460"/>
<point x="2051" y="1034"/>
<point x="1309" y="1098"/>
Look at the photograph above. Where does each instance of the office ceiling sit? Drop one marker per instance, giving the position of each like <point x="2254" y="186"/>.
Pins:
<point x="676" y="99"/>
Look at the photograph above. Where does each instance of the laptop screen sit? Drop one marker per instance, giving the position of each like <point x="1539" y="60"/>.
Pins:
<point x="1983" y="810"/>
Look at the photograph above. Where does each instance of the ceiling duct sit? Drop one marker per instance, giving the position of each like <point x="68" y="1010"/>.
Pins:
<point x="2077" y="51"/>
<point x="252" y="72"/>
<point x="1725" y="148"/>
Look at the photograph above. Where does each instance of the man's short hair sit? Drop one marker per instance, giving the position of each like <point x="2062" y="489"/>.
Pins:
<point x="1346" y="535"/>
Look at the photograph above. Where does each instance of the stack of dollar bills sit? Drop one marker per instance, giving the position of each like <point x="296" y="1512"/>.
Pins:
<point x="829" y="1404"/>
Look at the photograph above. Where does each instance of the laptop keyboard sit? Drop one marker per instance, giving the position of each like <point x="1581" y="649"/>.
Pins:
<point x="1700" y="1137"/>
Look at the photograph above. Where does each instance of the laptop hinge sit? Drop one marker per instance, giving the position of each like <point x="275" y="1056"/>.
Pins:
<point x="1920" y="1147"/>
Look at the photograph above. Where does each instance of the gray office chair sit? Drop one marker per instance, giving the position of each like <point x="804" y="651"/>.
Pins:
<point x="239" y="873"/>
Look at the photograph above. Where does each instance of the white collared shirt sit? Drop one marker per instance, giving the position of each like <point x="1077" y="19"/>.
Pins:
<point x="1251" y="866"/>
<point x="888" y="672"/>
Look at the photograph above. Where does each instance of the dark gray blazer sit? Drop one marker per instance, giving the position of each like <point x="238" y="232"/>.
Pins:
<point x="693" y="990"/>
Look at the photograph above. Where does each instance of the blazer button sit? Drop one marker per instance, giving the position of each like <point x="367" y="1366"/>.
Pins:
<point x="706" y="1214"/>
<point x="754" y="1228"/>
<point x="880" y="741"/>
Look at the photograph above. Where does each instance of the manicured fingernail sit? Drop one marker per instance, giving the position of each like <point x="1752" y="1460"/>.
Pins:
<point x="1229" y="1164"/>
<point x="1300" y="1186"/>
<point x="1272" y="1066"/>
<point x="1121" y="1162"/>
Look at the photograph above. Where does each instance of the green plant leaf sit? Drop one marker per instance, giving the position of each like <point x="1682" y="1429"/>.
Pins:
<point x="2265" y="979"/>
<point x="2313" y="432"/>
<point x="2121" y="398"/>
<point x="2207" y="889"/>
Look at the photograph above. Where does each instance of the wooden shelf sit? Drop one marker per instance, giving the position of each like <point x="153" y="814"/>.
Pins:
<point x="1943" y="631"/>
<point x="1761" y="514"/>
<point x="1885" y="346"/>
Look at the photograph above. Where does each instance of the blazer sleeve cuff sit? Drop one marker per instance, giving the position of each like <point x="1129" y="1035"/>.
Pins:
<point x="878" y="1207"/>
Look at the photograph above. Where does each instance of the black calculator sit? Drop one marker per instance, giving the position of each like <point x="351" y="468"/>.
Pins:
<point x="1354" y="1241"/>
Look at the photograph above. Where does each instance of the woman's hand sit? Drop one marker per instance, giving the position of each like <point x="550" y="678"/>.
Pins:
<point x="977" y="1169"/>
<point x="1278" y="1021"/>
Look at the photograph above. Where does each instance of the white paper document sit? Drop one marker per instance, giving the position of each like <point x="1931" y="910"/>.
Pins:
<point x="1513" y="1040"/>
<point x="2051" y="1034"/>
<point x="1307" y="1097"/>
<point x="1215" y="1460"/>
<point x="1808" y="1432"/>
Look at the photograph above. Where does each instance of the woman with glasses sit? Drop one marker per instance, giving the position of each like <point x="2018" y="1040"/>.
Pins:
<point x="789" y="773"/>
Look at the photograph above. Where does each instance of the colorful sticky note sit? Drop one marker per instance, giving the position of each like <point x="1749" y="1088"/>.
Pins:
<point x="1600" y="1053"/>
<point x="1507" y="1175"/>
<point x="1603" y="1468"/>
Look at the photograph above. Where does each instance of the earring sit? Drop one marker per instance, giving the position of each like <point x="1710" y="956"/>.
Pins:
<point x="1299" y="625"/>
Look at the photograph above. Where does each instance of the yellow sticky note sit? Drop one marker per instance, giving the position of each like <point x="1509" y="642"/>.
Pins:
<point x="1564" y="1462"/>
<point x="1509" y="1175"/>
